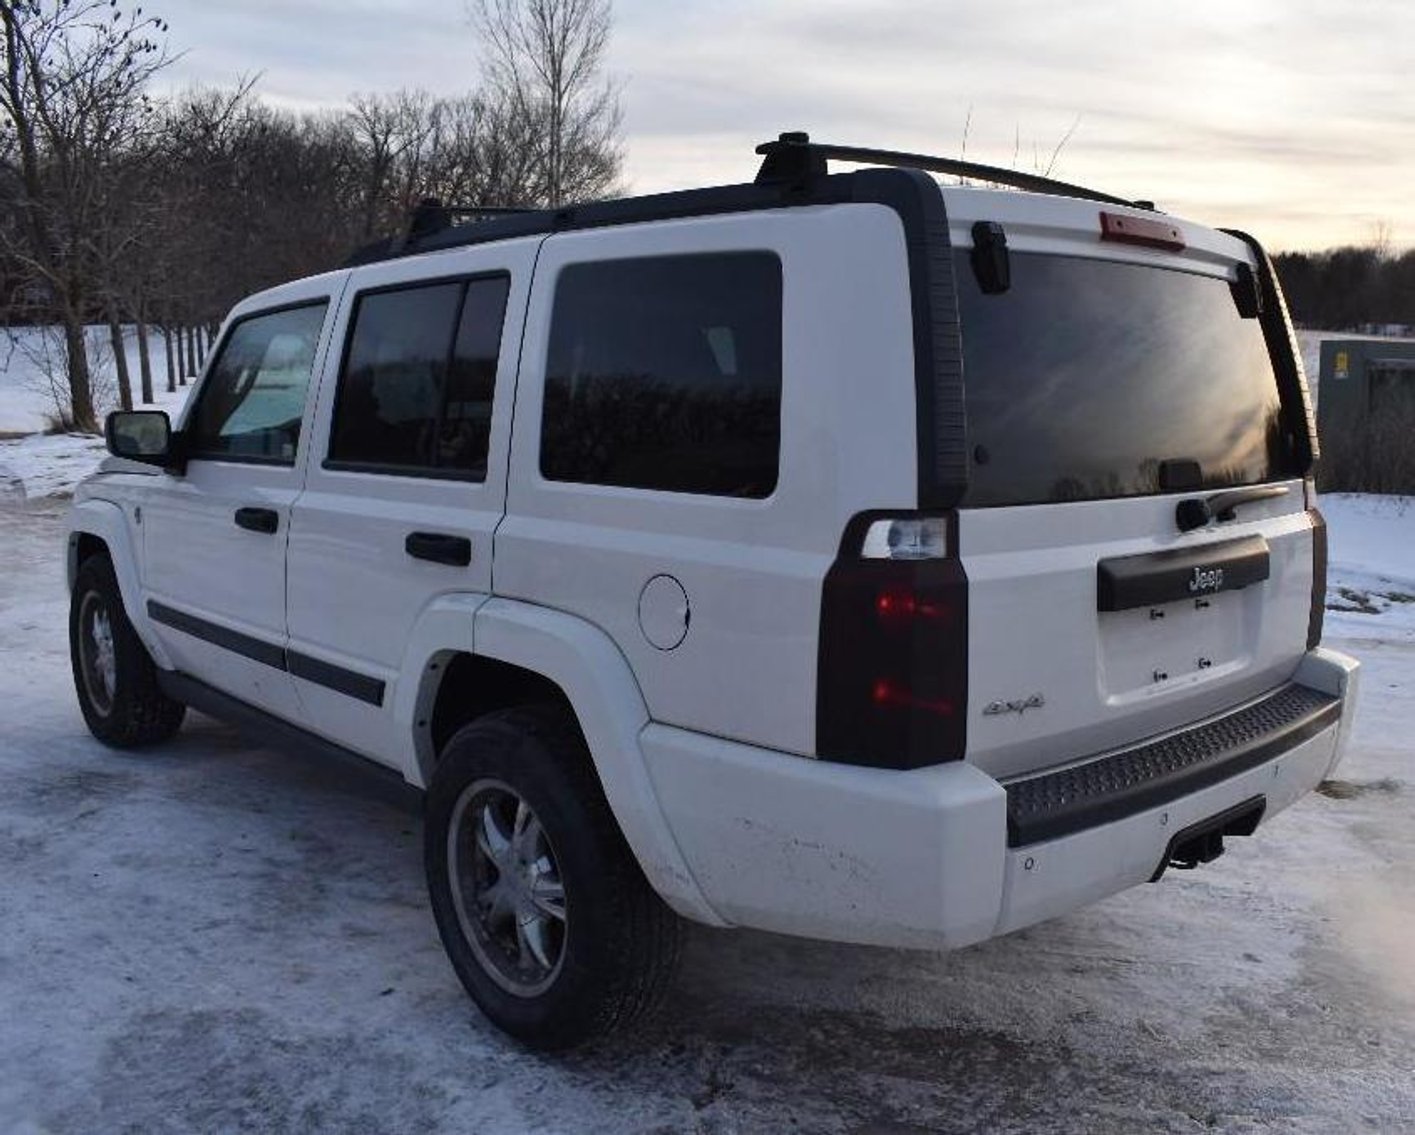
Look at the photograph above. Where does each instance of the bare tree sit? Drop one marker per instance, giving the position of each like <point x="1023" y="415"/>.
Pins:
<point x="72" y="91"/>
<point x="545" y="61"/>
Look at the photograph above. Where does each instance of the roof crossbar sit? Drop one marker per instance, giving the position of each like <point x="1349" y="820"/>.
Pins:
<point x="794" y="157"/>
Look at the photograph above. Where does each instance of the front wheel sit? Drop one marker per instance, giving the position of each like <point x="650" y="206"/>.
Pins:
<point x="542" y="908"/>
<point x="114" y="676"/>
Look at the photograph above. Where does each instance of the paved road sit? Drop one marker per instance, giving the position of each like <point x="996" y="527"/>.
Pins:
<point x="218" y="937"/>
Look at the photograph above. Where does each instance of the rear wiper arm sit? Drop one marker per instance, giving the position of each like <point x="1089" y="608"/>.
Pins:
<point x="1198" y="511"/>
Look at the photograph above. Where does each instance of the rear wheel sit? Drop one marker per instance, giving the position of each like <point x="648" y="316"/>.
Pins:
<point x="543" y="910"/>
<point x="114" y="676"/>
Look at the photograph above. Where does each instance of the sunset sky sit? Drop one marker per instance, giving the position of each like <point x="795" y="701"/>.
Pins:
<point x="1294" y="119"/>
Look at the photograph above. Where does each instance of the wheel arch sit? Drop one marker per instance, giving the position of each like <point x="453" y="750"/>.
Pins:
<point x="526" y="653"/>
<point x="99" y="527"/>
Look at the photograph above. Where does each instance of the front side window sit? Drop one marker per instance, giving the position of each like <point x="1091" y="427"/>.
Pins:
<point x="253" y="402"/>
<point x="665" y="373"/>
<point x="416" y="388"/>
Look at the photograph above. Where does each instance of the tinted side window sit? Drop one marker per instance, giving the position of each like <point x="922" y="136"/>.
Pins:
<point x="665" y="373"/>
<point x="416" y="388"/>
<point x="254" y="399"/>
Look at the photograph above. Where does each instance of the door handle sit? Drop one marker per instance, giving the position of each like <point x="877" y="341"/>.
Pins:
<point x="258" y="519"/>
<point x="439" y="547"/>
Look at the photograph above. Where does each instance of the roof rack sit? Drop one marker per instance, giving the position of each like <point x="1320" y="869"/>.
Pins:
<point x="794" y="157"/>
<point x="793" y="163"/>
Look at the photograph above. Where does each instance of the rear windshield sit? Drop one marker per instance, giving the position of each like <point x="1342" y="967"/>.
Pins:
<point x="1086" y="375"/>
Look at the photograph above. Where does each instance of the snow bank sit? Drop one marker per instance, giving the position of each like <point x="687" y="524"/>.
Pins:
<point x="40" y="465"/>
<point x="29" y="356"/>
<point x="43" y="465"/>
<point x="1371" y="564"/>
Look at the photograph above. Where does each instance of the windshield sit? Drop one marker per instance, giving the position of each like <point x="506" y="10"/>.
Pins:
<point x="1087" y="374"/>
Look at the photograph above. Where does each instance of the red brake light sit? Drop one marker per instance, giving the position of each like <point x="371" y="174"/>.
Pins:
<point x="898" y="604"/>
<point x="1142" y="230"/>
<point x="887" y="693"/>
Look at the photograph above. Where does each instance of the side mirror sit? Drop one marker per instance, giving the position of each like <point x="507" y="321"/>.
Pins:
<point x="143" y="435"/>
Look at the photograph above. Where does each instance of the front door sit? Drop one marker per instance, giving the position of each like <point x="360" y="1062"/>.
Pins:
<point x="214" y="538"/>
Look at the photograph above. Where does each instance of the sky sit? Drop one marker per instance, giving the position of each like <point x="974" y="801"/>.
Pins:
<point x="1292" y="119"/>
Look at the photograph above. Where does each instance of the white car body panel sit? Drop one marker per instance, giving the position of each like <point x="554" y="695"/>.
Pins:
<point x="752" y="569"/>
<point x="1032" y="603"/>
<point x="920" y="858"/>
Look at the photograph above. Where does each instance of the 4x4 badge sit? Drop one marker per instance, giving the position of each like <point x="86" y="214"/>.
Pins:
<point x="1022" y="705"/>
<point x="1206" y="579"/>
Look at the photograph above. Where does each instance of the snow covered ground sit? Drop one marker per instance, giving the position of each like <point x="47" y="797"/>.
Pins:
<point x="217" y="937"/>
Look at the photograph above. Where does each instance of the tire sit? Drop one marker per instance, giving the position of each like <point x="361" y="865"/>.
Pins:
<point x="610" y="954"/>
<point x="114" y="676"/>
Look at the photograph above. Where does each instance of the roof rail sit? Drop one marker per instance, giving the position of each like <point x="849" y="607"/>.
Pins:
<point x="431" y="219"/>
<point x="430" y="215"/>
<point x="794" y="157"/>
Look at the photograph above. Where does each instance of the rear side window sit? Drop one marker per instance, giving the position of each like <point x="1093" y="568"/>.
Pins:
<point x="665" y="373"/>
<point x="416" y="388"/>
<point x="1086" y="375"/>
<point x="253" y="402"/>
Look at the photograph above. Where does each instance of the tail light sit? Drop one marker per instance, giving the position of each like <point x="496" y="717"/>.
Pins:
<point x="892" y="671"/>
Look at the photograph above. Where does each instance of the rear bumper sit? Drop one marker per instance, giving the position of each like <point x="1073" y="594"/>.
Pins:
<point x="923" y="857"/>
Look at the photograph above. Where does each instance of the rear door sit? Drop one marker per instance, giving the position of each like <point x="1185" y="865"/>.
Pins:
<point x="1108" y="384"/>
<point x="407" y="481"/>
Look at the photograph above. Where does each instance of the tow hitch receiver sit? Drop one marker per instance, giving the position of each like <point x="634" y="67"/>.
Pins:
<point x="1203" y="842"/>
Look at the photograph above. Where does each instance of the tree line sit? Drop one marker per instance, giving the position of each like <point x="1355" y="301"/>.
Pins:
<point x="120" y="207"/>
<point x="1349" y="288"/>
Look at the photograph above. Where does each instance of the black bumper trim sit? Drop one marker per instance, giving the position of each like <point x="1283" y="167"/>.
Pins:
<point x="1113" y="787"/>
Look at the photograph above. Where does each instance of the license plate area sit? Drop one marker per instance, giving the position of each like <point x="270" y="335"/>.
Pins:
<point x="1168" y="645"/>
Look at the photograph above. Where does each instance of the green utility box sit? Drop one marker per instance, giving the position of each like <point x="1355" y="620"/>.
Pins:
<point x="1366" y="413"/>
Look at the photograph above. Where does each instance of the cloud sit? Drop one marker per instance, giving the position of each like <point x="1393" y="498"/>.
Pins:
<point x="1297" y="115"/>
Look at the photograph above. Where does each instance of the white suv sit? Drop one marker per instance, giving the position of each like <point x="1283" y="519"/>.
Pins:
<point x="845" y="555"/>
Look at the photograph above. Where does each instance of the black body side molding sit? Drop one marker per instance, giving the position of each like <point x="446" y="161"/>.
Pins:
<point x="1126" y="582"/>
<point x="257" y="649"/>
<point x="348" y="682"/>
